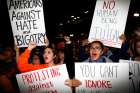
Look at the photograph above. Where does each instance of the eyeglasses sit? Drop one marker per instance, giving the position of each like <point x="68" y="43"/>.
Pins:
<point x="95" y="48"/>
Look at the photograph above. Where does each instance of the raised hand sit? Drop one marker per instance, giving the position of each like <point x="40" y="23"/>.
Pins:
<point x="122" y="38"/>
<point x="31" y="45"/>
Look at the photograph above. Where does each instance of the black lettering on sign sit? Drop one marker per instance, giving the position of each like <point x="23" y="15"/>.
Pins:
<point x="24" y="4"/>
<point x="109" y="71"/>
<point x="26" y="25"/>
<point x="88" y="71"/>
<point x="134" y="68"/>
<point x="25" y="15"/>
<point x="38" y="38"/>
<point x="106" y="13"/>
<point x="106" y="34"/>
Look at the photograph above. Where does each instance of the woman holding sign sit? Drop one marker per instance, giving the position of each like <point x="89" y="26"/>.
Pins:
<point x="96" y="53"/>
<point x="49" y="58"/>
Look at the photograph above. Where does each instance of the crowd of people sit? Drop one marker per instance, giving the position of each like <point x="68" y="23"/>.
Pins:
<point x="65" y="51"/>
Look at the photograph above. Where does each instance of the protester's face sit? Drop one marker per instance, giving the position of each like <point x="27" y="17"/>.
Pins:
<point x="95" y="51"/>
<point x="48" y="55"/>
<point x="36" y="60"/>
<point x="138" y="47"/>
<point x="67" y="38"/>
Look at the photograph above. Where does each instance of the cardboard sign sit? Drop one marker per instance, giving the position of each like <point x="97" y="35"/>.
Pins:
<point x="27" y="21"/>
<point x="134" y="75"/>
<point x="109" y="22"/>
<point x="48" y="80"/>
<point x="102" y="77"/>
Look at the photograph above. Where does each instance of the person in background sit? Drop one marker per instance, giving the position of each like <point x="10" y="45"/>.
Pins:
<point x="96" y="53"/>
<point x="8" y="54"/>
<point x="136" y="49"/>
<point x="69" y="56"/>
<point x="120" y="53"/>
<point x="60" y="56"/>
<point x="84" y="50"/>
<point x="8" y="82"/>
<point x="8" y="71"/>
<point x="36" y="57"/>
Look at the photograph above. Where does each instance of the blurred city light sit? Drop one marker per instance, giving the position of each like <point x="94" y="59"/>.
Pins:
<point x="136" y="14"/>
<point x="86" y="12"/>
<point x="72" y="16"/>
<point x="71" y="35"/>
<point x="78" y="17"/>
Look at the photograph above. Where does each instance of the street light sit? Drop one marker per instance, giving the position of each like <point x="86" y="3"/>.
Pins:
<point x="136" y="14"/>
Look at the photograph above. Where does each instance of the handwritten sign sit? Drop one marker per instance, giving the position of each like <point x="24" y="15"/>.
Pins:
<point x="134" y="75"/>
<point x="48" y="80"/>
<point x="102" y="77"/>
<point x="27" y="20"/>
<point x="109" y="22"/>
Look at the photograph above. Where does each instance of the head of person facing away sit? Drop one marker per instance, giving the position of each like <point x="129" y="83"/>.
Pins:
<point x="60" y="56"/>
<point x="36" y="57"/>
<point x="96" y="50"/>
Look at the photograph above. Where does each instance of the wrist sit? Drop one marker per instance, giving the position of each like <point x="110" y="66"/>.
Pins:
<point x="29" y="49"/>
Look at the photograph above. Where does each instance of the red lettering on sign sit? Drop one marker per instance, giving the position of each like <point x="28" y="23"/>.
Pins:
<point x="110" y="4"/>
<point x="98" y="84"/>
<point x="55" y="72"/>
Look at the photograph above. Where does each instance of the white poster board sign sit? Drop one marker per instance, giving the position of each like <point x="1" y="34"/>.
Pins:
<point x="27" y="21"/>
<point x="109" y="22"/>
<point x="48" y="80"/>
<point x="134" y="75"/>
<point x="102" y="77"/>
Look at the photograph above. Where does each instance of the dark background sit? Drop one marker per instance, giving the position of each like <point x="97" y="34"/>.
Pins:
<point x="57" y="14"/>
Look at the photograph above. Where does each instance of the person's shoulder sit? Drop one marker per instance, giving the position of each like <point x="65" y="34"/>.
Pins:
<point x="86" y="61"/>
<point x="107" y="60"/>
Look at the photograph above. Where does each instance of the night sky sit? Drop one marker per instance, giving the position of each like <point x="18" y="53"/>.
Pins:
<point x="58" y="12"/>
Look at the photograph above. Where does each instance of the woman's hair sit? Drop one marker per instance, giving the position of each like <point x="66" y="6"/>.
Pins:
<point x="57" y="57"/>
<point x="135" y="53"/>
<point x="36" y="52"/>
<point x="99" y="42"/>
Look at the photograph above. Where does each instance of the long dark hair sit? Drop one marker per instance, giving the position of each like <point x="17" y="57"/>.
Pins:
<point x="36" y="52"/>
<point x="57" y="58"/>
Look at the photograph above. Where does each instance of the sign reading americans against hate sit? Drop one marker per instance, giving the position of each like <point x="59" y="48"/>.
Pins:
<point x="27" y="21"/>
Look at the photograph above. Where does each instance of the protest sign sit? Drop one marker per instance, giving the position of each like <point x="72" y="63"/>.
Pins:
<point x="109" y="22"/>
<point x="48" y="80"/>
<point x="134" y="75"/>
<point x="27" y="21"/>
<point x="102" y="77"/>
